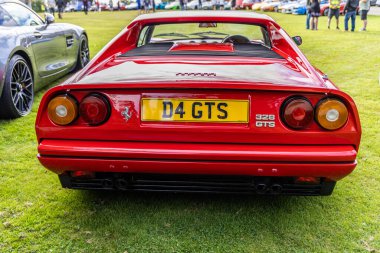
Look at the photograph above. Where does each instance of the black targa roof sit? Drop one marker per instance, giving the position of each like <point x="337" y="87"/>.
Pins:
<point x="163" y="48"/>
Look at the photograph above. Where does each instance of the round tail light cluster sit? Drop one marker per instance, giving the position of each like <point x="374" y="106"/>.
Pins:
<point x="298" y="113"/>
<point x="331" y="114"/>
<point x="63" y="110"/>
<point x="93" y="109"/>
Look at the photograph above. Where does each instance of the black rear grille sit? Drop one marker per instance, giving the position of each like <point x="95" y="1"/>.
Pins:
<point x="196" y="184"/>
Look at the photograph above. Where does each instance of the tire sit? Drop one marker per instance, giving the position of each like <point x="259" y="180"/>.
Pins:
<point x="83" y="53"/>
<point x="18" y="92"/>
<point x="326" y="12"/>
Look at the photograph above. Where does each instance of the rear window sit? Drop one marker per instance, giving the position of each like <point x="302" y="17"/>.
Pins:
<point x="214" y="32"/>
<point x="205" y="38"/>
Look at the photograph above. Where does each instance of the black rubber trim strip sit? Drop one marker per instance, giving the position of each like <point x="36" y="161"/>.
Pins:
<point x="162" y="49"/>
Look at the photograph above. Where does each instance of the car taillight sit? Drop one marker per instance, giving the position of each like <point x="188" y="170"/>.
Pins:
<point x="94" y="109"/>
<point x="331" y="114"/>
<point x="62" y="110"/>
<point x="297" y="113"/>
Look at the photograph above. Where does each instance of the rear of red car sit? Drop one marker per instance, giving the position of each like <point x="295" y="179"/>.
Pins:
<point x="200" y="123"/>
<point x="200" y="136"/>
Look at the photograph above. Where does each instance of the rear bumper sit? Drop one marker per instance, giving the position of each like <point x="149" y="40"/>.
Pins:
<point x="197" y="184"/>
<point x="331" y="162"/>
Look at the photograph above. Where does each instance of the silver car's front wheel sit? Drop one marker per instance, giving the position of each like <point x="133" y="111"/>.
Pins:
<point x="18" y="94"/>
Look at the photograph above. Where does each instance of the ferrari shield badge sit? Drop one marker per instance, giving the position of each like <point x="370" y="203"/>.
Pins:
<point x="126" y="113"/>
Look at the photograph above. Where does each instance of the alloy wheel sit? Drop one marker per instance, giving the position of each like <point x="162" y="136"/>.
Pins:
<point x="84" y="53"/>
<point x="22" y="87"/>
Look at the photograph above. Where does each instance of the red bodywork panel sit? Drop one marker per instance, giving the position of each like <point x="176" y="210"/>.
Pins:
<point x="133" y="145"/>
<point x="227" y="47"/>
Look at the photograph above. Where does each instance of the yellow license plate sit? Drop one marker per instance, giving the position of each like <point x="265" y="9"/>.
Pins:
<point x="195" y="110"/>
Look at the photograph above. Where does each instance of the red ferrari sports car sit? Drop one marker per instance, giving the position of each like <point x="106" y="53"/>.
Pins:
<point x="200" y="102"/>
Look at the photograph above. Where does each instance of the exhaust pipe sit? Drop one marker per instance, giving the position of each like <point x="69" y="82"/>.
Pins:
<point x="107" y="184"/>
<point x="276" y="189"/>
<point x="121" y="184"/>
<point x="261" y="188"/>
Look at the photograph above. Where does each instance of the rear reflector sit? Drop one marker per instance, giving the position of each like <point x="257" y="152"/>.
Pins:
<point x="94" y="109"/>
<point x="307" y="180"/>
<point x="297" y="113"/>
<point x="82" y="174"/>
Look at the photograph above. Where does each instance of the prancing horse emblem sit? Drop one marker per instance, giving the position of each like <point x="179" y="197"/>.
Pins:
<point x="126" y="113"/>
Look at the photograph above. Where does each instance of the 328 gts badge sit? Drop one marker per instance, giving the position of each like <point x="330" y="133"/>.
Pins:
<point x="265" y="120"/>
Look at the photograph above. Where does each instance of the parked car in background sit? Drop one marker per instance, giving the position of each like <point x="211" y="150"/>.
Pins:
<point x="207" y="5"/>
<point x="216" y="101"/>
<point x="247" y="4"/>
<point x="93" y="7"/>
<point x="272" y="6"/>
<point x="173" y="5"/>
<point x="160" y="5"/>
<point x="378" y="3"/>
<point x="122" y="6"/>
<point x="300" y="8"/>
<point x="193" y="5"/>
<point x="75" y="5"/>
<point x="132" y="5"/>
<point x="372" y="2"/>
<point x="227" y="5"/>
<point x="104" y="5"/>
<point x="239" y="4"/>
<point x="34" y="53"/>
<point x="257" y="6"/>
<point x="70" y="7"/>
<point x="288" y="7"/>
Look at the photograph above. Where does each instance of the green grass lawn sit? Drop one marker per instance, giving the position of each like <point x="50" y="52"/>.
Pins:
<point x="36" y="215"/>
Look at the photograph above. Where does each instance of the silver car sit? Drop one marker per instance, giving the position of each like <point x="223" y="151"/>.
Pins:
<point x="33" y="53"/>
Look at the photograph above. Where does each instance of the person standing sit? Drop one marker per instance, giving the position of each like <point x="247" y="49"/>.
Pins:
<point x="111" y="5"/>
<point x="146" y="5"/>
<point x="85" y="6"/>
<point x="200" y="4"/>
<point x="182" y="4"/>
<point x="139" y="7"/>
<point x="215" y="4"/>
<point x="308" y="14"/>
<point x="60" y="4"/>
<point x="364" y="8"/>
<point x="51" y="5"/>
<point x="98" y="6"/>
<point x="315" y="12"/>
<point x="350" y="13"/>
<point x="334" y="9"/>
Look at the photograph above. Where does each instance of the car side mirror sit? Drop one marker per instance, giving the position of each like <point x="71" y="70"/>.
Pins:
<point x="49" y="19"/>
<point x="297" y="40"/>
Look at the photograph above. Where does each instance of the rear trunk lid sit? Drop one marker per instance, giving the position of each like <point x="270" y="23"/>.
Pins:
<point x="145" y="70"/>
